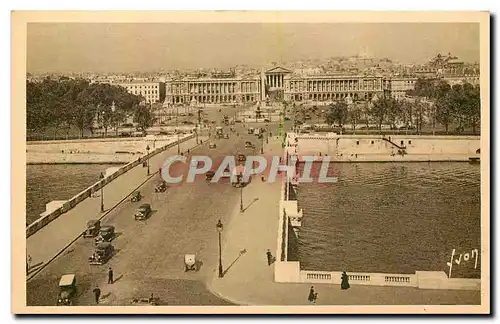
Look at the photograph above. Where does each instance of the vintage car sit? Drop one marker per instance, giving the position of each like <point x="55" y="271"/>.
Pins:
<point x="209" y="175"/>
<point x="249" y="145"/>
<point x="136" y="196"/>
<point x="190" y="262"/>
<point x="102" y="253"/>
<point x="161" y="186"/>
<point x="143" y="212"/>
<point x="226" y="136"/>
<point x="212" y="145"/>
<point x="67" y="290"/>
<point x="93" y="227"/>
<point x="106" y="234"/>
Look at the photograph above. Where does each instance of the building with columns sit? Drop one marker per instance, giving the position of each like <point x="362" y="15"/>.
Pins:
<point x="213" y="90"/>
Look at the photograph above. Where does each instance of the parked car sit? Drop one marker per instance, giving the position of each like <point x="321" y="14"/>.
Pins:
<point x="161" y="186"/>
<point x="67" y="290"/>
<point x="106" y="234"/>
<point x="249" y="145"/>
<point x="266" y="120"/>
<point x="212" y="145"/>
<point x="209" y="175"/>
<point x="93" y="227"/>
<point x="143" y="212"/>
<point x="226" y="136"/>
<point x="136" y="196"/>
<point x="102" y="253"/>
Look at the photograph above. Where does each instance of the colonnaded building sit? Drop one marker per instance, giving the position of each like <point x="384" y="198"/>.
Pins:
<point x="277" y="83"/>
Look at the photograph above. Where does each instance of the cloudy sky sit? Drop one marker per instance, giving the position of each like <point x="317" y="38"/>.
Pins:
<point x="99" y="47"/>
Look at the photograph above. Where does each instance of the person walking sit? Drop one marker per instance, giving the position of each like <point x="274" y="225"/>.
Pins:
<point x="312" y="296"/>
<point x="110" y="276"/>
<point x="269" y="257"/>
<point x="345" y="281"/>
<point x="97" y="294"/>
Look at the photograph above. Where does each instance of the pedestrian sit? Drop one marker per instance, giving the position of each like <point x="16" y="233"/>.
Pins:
<point x="269" y="257"/>
<point x="28" y="263"/>
<point x="312" y="296"/>
<point x="110" y="276"/>
<point x="345" y="281"/>
<point x="97" y="294"/>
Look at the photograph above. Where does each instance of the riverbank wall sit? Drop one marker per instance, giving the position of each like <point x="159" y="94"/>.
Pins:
<point x="97" y="151"/>
<point x="61" y="207"/>
<point x="380" y="148"/>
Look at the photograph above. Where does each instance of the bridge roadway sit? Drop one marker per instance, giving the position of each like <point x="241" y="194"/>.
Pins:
<point x="150" y="255"/>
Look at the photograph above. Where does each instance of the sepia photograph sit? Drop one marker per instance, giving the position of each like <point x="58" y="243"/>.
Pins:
<point x="296" y="162"/>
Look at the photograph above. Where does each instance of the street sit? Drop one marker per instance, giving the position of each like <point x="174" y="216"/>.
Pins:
<point x="149" y="255"/>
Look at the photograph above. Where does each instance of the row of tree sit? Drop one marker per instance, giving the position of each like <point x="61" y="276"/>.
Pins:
<point x="433" y="102"/>
<point x="66" y="103"/>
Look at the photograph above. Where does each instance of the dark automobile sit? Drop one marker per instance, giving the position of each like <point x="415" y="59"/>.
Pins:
<point x="209" y="175"/>
<point x="136" y="196"/>
<point x="102" y="253"/>
<point x="106" y="234"/>
<point x="93" y="227"/>
<point x="67" y="290"/>
<point x="161" y="186"/>
<point x="143" y="212"/>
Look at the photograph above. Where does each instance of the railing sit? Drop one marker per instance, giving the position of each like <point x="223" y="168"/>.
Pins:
<point x="71" y="203"/>
<point x="375" y="279"/>
<point x="284" y="237"/>
<point x="319" y="276"/>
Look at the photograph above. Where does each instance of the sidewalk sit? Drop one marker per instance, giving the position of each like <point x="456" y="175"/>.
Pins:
<point x="250" y="281"/>
<point x="46" y="243"/>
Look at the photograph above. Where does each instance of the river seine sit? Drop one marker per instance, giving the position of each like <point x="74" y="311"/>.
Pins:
<point x="48" y="182"/>
<point x="392" y="218"/>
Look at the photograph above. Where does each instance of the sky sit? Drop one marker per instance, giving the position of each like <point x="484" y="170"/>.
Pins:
<point x="132" y="47"/>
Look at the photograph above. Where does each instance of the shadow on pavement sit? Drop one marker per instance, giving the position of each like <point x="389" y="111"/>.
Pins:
<point x="253" y="201"/>
<point x="235" y="260"/>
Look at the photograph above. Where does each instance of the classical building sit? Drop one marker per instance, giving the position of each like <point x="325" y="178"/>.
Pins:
<point x="277" y="83"/>
<point x="229" y="89"/>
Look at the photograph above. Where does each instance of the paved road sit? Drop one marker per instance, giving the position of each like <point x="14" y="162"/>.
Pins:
<point x="149" y="255"/>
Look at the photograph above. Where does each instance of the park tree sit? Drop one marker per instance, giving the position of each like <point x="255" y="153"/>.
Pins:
<point x="337" y="113"/>
<point x="143" y="117"/>
<point x="354" y="115"/>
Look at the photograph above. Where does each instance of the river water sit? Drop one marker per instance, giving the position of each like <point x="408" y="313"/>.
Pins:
<point x="45" y="183"/>
<point x="392" y="218"/>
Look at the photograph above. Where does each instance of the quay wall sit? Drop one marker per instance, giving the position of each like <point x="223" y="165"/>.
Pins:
<point x="374" y="148"/>
<point x="112" y="150"/>
<point x="46" y="218"/>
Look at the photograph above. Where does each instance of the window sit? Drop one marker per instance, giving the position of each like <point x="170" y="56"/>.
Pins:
<point x="357" y="142"/>
<point x="409" y="142"/>
<point x="373" y="142"/>
<point x="402" y="142"/>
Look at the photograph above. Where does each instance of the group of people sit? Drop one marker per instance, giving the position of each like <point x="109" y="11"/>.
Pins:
<point x="97" y="290"/>
<point x="344" y="285"/>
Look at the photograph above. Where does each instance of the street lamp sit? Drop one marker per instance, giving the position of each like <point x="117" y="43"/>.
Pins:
<point x="147" y="150"/>
<point x="102" y="193"/>
<point x="177" y="126"/>
<point x="220" y="227"/>
<point x="241" y="197"/>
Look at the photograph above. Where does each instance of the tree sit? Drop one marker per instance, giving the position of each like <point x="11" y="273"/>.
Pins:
<point x="354" y="115"/>
<point x="337" y="113"/>
<point x="444" y="112"/>
<point x="379" y="110"/>
<point x="143" y="117"/>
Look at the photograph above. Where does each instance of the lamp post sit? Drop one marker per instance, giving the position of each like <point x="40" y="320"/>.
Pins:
<point x="219" y="228"/>
<point x="102" y="192"/>
<point x="177" y="126"/>
<point x="147" y="150"/>
<point x="241" y="199"/>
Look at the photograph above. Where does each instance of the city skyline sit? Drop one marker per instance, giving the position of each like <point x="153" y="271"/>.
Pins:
<point x="134" y="47"/>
